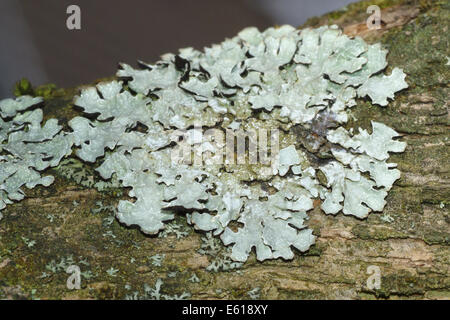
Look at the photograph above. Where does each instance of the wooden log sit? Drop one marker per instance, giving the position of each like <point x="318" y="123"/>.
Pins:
<point x="408" y="243"/>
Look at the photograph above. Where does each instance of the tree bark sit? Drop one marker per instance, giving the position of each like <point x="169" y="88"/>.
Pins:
<point x="408" y="242"/>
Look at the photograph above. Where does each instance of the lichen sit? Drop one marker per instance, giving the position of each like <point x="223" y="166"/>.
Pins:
<point x="155" y="293"/>
<point x="218" y="255"/>
<point x="26" y="147"/>
<point x="295" y="85"/>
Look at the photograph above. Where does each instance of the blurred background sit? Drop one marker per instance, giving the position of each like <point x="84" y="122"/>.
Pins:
<point x="35" y="42"/>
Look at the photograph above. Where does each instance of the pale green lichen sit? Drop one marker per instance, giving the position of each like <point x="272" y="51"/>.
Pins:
<point x="173" y="228"/>
<point x="255" y="293"/>
<point x="157" y="260"/>
<point x="154" y="293"/>
<point x="26" y="147"/>
<point x="194" y="278"/>
<point x="282" y="78"/>
<point x="218" y="255"/>
<point x="78" y="171"/>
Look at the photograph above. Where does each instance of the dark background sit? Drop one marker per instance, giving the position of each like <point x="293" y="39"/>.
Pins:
<point x="35" y="42"/>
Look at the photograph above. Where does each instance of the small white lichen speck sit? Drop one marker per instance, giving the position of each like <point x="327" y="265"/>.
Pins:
<point x="302" y="82"/>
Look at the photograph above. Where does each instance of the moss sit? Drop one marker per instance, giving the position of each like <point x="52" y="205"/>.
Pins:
<point x="315" y="251"/>
<point x="404" y="283"/>
<point x="300" y="294"/>
<point x="366" y="232"/>
<point x="23" y="87"/>
<point x="438" y="295"/>
<point x="436" y="237"/>
<point x="419" y="49"/>
<point x="366" y="296"/>
<point x="47" y="91"/>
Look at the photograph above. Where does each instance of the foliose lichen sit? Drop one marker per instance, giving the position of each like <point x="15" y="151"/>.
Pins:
<point x="27" y="147"/>
<point x="297" y="84"/>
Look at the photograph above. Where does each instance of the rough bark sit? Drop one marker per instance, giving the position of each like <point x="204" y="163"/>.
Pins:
<point x="409" y="241"/>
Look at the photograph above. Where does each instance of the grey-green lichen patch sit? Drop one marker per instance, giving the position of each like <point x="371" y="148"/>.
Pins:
<point x="155" y="293"/>
<point x="306" y="79"/>
<point x="218" y="255"/>
<point x="84" y="175"/>
<point x="27" y="147"/>
<point x="281" y="80"/>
